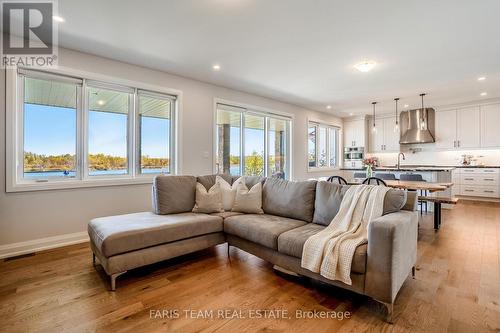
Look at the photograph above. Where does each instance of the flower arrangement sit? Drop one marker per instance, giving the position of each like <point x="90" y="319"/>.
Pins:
<point x="370" y="163"/>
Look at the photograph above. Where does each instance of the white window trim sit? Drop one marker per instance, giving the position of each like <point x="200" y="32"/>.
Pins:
<point x="259" y="111"/>
<point x="14" y="135"/>
<point x="320" y="123"/>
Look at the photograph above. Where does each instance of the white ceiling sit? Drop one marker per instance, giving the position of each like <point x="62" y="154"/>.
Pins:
<point x="302" y="51"/>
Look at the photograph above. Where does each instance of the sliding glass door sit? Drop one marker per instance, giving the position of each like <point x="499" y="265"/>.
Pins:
<point x="251" y="143"/>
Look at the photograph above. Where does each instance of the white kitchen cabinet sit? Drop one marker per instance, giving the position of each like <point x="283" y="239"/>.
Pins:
<point x="490" y="118"/>
<point x="446" y="129"/>
<point x="468" y="128"/>
<point x="479" y="182"/>
<point x="384" y="139"/>
<point x="391" y="138"/>
<point x="354" y="133"/>
<point x="457" y="129"/>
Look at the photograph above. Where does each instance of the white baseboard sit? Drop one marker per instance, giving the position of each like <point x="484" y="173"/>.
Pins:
<point x="17" y="249"/>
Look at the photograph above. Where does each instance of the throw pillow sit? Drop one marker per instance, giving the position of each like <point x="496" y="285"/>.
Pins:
<point x="208" y="201"/>
<point x="248" y="201"/>
<point x="228" y="191"/>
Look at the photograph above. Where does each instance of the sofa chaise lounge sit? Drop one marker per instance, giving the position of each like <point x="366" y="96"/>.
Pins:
<point x="293" y="211"/>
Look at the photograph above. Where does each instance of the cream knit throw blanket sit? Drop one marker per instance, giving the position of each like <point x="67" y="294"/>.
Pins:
<point x="330" y="251"/>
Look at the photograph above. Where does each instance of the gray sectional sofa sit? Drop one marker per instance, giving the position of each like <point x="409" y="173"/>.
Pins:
<point x="293" y="212"/>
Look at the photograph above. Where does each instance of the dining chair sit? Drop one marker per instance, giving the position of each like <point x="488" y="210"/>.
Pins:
<point x="386" y="176"/>
<point x="416" y="178"/>
<point x="374" y="181"/>
<point x="337" y="179"/>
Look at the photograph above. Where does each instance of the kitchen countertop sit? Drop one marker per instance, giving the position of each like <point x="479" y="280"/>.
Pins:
<point x="422" y="168"/>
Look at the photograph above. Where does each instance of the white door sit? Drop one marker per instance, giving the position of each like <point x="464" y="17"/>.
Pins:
<point x="490" y="118"/>
<point x="391" y="138"/>
<point x="349" y="134"/>
<point x="468" y="128"/>
<point x="446" y="129"/>
<point x="377" y="137"/>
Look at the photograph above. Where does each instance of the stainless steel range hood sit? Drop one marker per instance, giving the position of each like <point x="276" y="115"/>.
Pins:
<point x="417" y="126"/>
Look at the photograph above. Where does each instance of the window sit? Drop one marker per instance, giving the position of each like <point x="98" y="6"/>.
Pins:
<point x="260" y="149"/>
<point x="74" y="131"/>
<point x="107" y="132"/>
<point x="322" y="145"/>
<point x="49" y="128"/>
<point x="155" y="115"/>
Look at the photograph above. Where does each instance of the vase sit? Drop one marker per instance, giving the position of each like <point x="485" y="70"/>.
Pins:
<point x="369" y="171"/>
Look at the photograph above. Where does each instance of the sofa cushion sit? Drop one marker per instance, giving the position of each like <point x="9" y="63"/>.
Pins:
<point x="394" y="200"/>
<point x="251" y="181"/>
<point x="260" y="229"/>
<point x="225" y="215"/>
<point x="208" y="201"/>
<point x="327" y="203"/>
<point x="289" y="199"/>
<point x="330" y="195"/>
<point x="209" y="180"/>
<point x="123" y="233"/>
<point x="292" y="243"/>
<point x="173" y="194"/>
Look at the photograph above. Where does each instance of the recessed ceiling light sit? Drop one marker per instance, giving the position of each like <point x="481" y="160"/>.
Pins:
<point x="406" y="105"/>
<point x="101" y="102"/>
<point x="58" y="18"/>
<point x="365" y="66"/>
<point x="328" y="107"/>
<point x="351" y="114"/>
<point x="216" y="67"/>
<point x="483" y="93"/>
<point x="481" y="78"/>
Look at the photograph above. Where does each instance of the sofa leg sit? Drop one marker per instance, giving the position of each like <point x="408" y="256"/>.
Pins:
<point x="93" y="258"/>
<point x="113" y="279"/>
<point x="390" y="311"/>
<point x="413" y="272"/>
<point x="228" y="252"/>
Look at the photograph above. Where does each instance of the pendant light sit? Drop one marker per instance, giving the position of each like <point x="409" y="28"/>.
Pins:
<point x="423" y="125"/>
<point x="396" y="126"/>
<point x="374" y="128"/>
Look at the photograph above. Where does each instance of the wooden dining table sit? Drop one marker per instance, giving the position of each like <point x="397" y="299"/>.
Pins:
<point x="432" y="187"/>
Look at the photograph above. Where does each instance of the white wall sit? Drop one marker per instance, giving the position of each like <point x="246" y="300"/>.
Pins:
<point x="26" y="216"/>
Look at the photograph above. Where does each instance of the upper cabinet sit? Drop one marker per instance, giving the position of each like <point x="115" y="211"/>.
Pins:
<point x="354" y="133"/>
<point x="458" y="128"/>
<point x="446" y="129"/>
<point x="490" y="118"/>
<point x="384" y="139"/>
<point x="468" y="128"/>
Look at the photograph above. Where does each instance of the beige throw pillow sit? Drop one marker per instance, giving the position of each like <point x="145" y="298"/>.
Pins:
<point x="248" y="201"/>
<point x="228" y="191"/>
<point x="208" y="201"/>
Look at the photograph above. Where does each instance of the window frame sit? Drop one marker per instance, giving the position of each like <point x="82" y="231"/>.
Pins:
<point x="329" y="128"/>
<point x="15" y="181"/>
<point x="246" y="109"/>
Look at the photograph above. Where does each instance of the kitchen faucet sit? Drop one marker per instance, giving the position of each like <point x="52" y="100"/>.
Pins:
<point x="399" y="156"/>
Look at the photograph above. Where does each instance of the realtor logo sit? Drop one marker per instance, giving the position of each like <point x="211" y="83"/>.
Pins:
<point x="29" y="34"/>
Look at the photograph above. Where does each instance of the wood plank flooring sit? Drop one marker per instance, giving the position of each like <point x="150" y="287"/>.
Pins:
<point x="457" y="289"/>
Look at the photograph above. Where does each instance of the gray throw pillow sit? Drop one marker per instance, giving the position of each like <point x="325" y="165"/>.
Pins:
<point x="289" y="199"/>
<point x="209" y="180"/>
<point x="173" y="194"/>
<point x="394" y="200"/>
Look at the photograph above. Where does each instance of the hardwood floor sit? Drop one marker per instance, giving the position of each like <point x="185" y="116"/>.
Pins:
<point x="457" y="289"/>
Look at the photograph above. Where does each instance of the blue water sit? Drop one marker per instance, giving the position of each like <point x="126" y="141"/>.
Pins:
<point x="72" y="174"/>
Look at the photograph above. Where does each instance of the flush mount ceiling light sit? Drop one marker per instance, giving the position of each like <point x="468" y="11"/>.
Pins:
<point x="328" y="107"/>
<point x="481" y="78"/>
<point x="58" y="18"/>
<point x="101" y="102"/>
<point x="483" y="93"/>
<point x="406" y="105"/>
<point x="365" y="66"/>
<point x="216" y="67"/>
